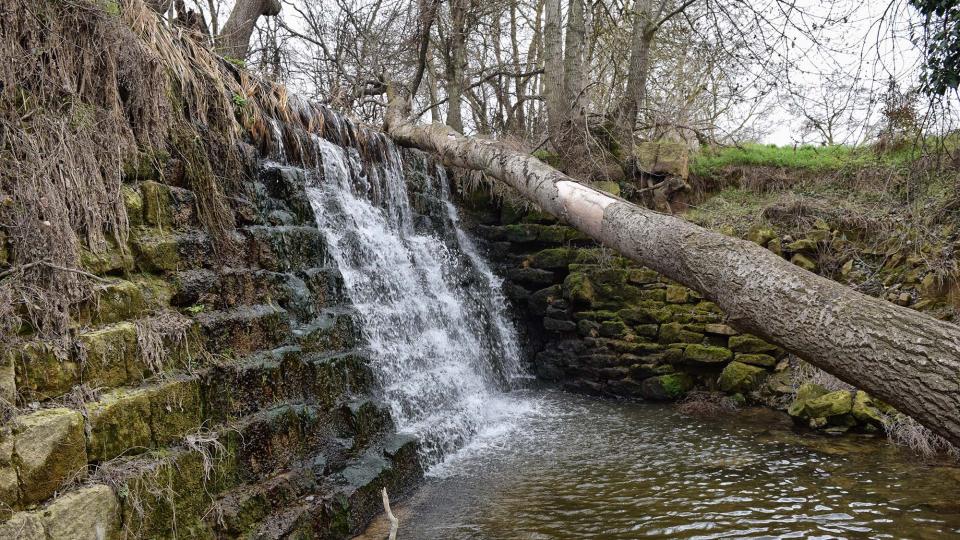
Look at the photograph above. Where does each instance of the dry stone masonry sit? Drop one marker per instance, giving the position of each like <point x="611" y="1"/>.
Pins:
<point x="197" y="399"/>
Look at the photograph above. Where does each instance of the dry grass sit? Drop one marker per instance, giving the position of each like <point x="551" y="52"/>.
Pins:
<point x="707" y="404"/>
<point x="158" y="335"/>
<point x="903" y="430"/>
<point x="803" y="372"/>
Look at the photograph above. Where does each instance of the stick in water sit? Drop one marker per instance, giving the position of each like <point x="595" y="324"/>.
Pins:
<point x="394" y="522"/>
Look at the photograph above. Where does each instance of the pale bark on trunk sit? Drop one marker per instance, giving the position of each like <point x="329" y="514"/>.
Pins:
<point x="908" y="359"/>
<point x="234" y="41"/>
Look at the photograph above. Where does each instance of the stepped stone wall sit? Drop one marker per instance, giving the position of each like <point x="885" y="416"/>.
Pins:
<point x="601" y="324"/>
<point x="197" y="397"/>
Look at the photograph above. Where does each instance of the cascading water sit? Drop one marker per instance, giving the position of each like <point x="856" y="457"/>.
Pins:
<point x="432" y="315"/>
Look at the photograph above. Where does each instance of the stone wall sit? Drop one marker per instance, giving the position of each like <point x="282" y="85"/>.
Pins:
<point x="598" y="323"/>
<point x="199" y="396"/>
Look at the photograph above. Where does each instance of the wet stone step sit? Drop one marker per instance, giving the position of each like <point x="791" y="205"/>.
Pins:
<point x="162" y="251"/>
<point x="284" y="248"/>
<point x="245" y="329"/>
<point x="282" y="198"/>
<point x="304" y="293"/>
<point x="334" y="329"/>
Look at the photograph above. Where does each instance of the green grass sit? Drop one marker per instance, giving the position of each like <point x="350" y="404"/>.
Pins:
<point x="805" y="158"/>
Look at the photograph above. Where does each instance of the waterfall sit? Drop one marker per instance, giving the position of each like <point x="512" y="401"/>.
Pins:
<point x="434" y="322"/>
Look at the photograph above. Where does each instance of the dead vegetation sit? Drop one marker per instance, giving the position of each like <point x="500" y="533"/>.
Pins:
<point x="707" y="404"/>
<point x="903" y="430"/>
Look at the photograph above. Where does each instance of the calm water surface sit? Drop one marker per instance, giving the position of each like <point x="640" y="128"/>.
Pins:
<point x="576" y="467"/>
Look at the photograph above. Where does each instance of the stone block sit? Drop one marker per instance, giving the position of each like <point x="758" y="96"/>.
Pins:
<point x="110" y="352"/>
<point x="90" y="512"/>
<point x="676" y="294"/>
<point x="119" y="424"/>
<point x="553" y="259"/>
<point x="49" y="449"/>
<point x="174" y="410"/>
<point x="666" y="387"/>
<point x="738" y="377"/>
<point x="761" y="360"/>
<point x="678" y="333"/>
<point x="24" y="526"/>
<point x="745" y="343"/>
<point x="42" y="373"/>
<point x="706" y="355"/>
<point x="117" y="301"/>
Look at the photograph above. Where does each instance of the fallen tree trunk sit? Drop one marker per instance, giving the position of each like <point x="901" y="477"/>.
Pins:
<point x="906" y="358"/>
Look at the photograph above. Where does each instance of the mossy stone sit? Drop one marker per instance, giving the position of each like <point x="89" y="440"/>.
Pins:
<point x="157" y="204"/>
<point x="134" y="205"/>
<point x="24" y="526"/>
<point x="579" y="290"/>
<point x="706" y="355"/>
<point x="50" y="448"/>
<point x="42" y="374"/>
<point x="676" y="294"/>
<point x="117" y="301"/>
<point x="675" y="332"/>
<point x="775" y="245"/>
<point x="110" y="355"/>
<point x="803" y="245"/>
<point x="865" y="411"/>
<point x="174" y="410"/>
<point x="761" y="235"/>
<point x="636" y="316"/>
<point x="90" y="512"/>
<point x="119" y="425"/>
<point x="642" y="276"/>
<point x="671" y="386"/>
<point x="804" y="262"/>
<point x="8" y="379"/>
<point x="738" y="377"/>
<point x="832" y="404"/>
<point x="614" y="329"/>
<point x="553" y="258"/>
<point x="762" y="360"/>
<point x="746" y="343"/>
<point x="157" y="252"/>
<point x="112" y="261"/>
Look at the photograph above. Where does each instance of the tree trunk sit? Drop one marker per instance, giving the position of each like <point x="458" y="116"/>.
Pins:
<point x="456" y="61"/>
<point x="636" y="91"/>
<point x="234" y="41"/>
<point x="906" y="358"/>
<point x="553" y="71"/>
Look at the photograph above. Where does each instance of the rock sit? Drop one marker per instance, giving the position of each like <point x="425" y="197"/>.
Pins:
<point x="865" y="411"/>
<point x="50" y="448"/>
<point x="738" y="377"/>
<point x="745" y="343"/>
<point x="808" y="391"/>
<point x="832" y="404"/>
<point x="666" y="387"/>
<point x="804" y="244"/>
<point x="804" y="262"/>
<point x="119" y="423"/>
<point x="532" y="276"/>
<point x="117" y="301"/>
<point x="553" y="259"/>
<point x="635" y="316"/>
<point x="612" y="188"/>
<point x="41" y="373"/>
<point x="761" y="235"/>
<point x="92" y="512"/>
<point x="762" y="360"/>
<point x="613" y="329"/>
<point x="677" y="295"/>
<point x="540" y="300"/>
<point x="110" y="354"/>
<point x="556" y="325"/>
<point x="706" y="355"/>
<point x="719" y="329"/>
<point x="677" y="333"/>
<point x="775" y="246"/>
<point x="24" y="526"/>
<point x="578" y="289"/>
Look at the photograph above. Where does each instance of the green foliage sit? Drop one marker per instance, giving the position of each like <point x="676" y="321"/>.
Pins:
<point x="805" y="158"/>
<point x="942" y="44"/>
<point x="239" y="101"/>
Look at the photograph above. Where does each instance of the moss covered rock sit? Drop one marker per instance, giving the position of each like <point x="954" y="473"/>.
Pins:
<point x="117" y="301"/>
<point x="706" y="355"/>
<point x="762" y="360"/>
<point x="579" y="290"/>
<point x="676" y="294"/>
<point x="667" y="387"/>
<point x="49" y="448"/>
<point x="119" y="424"/>
<point x="675" y="332"/>
<point x="553" y="259"/>
<point x="804" y="262"/>
<point x="42" y="372"/>
<point x="738" y="377"/>
<point x="110" y="355"/>
<point x="865" y="410"/>
<point x="745" y="343"/>
<point x="90" y="512"/>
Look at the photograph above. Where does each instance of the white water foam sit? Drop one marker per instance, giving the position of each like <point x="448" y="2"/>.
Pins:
<point x="433" y="319"/>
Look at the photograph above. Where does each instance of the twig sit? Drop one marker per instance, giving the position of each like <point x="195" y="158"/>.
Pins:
<point x="23" y="267"/>
<point x="394" y="522"/>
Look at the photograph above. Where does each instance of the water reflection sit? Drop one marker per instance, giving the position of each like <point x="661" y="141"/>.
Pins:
<point x="582" y="468"/>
